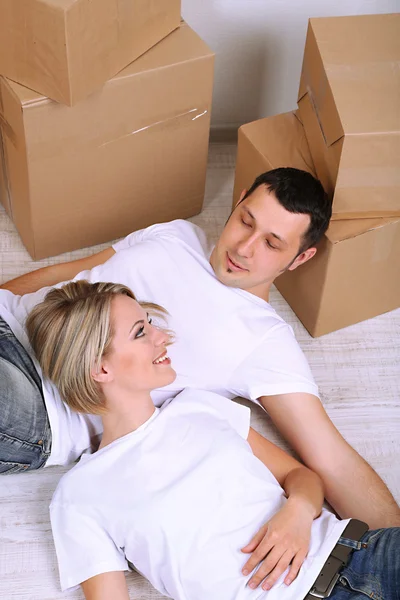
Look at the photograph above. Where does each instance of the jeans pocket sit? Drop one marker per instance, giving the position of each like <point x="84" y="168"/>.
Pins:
<point x="371" y="536"/>
<point x="7" y="468"/>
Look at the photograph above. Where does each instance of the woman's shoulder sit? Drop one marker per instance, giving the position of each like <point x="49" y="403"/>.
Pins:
<point x="74" y="486"/>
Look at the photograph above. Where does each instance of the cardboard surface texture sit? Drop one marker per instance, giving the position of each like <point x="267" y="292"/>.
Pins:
<point x="355" y="274"/>
<point x="66" y="49"/>
<point x="349" y="103"/>
<point x="130" y="155"/>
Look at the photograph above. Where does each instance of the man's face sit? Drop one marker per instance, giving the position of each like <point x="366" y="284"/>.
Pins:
<point x="260" y="240"/>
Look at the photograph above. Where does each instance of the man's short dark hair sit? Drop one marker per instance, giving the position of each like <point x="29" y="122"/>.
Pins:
<point x="299" y="192"/>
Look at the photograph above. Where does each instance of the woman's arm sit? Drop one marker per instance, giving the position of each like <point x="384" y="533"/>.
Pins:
<point x="284" y="540"/>
<point x="300" y="483"/>
<point x="106" y="586"/>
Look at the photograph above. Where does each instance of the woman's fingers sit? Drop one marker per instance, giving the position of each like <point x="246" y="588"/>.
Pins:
<point x="295" y="567"/>
<point x="271" y="568"/>
<point x="256" y="540"/>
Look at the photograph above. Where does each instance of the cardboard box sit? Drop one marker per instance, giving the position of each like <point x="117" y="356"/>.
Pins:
<point x="130" y="155"/>
<point x="355" y="274"/>
<point x="66" y="49"/>
<point x="349" y="101"/>
<point x="269" y="143"/>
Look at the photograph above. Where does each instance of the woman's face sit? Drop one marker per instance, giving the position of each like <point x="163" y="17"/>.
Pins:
<point x="137" y="360"/>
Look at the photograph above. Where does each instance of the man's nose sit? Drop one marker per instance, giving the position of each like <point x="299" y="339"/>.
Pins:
<point x="246" y="246"/>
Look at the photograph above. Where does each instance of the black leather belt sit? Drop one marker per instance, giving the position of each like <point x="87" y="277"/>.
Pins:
<point x="338" y="558"/>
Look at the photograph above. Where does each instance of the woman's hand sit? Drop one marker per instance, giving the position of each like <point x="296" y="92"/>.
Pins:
<point x="281" y="542"/>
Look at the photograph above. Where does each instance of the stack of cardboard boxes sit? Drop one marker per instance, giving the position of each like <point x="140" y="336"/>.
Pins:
<point x="115" y="135"/>
<point x="347" y="132"/>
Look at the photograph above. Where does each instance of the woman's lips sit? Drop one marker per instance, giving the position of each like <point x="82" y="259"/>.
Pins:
<point x="163" y="359"/>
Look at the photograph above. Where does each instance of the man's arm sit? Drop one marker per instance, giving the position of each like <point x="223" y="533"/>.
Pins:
<point x="106" y="586"/>
<point x="48" y="276"/>
<point x="351" y="486"/>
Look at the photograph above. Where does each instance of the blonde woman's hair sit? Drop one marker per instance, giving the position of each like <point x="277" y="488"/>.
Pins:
<point x="70" y="332"/>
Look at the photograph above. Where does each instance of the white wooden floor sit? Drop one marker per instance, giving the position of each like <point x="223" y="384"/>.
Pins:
<point x="357" y="369"/>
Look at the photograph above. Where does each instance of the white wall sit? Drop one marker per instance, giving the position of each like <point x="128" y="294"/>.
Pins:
<point x="259" y="48"/>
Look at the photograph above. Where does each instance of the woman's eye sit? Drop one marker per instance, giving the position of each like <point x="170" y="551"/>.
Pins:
<point x="140" y="332"/>
<point x="270" y="245"/>
<point x="247" y="224"/>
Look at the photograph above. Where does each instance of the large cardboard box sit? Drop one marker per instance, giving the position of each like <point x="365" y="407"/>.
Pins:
<point x="349" y="102"/>
<point x="130" y="155"/>
<point x="66" y="49"/>
<point x="355" y="274"/>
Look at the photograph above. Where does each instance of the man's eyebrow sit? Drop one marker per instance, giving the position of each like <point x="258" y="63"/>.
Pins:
<point x="134" y="325"/>
<point x="278" y="237"/>
<point x="248" y="212"/>
<point x="275" y="235"/>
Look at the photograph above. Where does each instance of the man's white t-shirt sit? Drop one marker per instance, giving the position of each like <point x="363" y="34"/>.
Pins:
<point x="178" y="498"/>
<point x="226" y="339"/>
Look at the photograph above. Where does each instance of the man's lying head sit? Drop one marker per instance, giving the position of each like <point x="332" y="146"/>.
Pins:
<point x="274" y="227"/>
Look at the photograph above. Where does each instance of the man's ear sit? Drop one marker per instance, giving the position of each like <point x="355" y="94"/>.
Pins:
<point x="103" y="374"/>
<point x="242" y="195"/>
<point x="302" y="258"/>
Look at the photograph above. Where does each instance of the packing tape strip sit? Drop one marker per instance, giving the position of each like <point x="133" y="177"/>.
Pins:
<point x="5" y="130"/>
<point x="315" y="108"/>
<point x="317" y="94"/>
<point x="190" y="115"/>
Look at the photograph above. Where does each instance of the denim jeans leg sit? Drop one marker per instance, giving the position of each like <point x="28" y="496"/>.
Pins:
<point x="25" y="434"/>
<point x="374" y="570"/>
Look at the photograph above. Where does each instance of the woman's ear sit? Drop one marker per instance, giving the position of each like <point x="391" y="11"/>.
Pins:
<point x="103" y="373"/>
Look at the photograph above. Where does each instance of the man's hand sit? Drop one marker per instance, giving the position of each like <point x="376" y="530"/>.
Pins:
<point x="281" y="542"/>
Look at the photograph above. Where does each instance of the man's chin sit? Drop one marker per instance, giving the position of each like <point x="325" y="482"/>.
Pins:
<point x="229" y="278"/>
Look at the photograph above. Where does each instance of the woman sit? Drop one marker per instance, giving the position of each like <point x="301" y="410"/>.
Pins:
<point x="175" y="492"/>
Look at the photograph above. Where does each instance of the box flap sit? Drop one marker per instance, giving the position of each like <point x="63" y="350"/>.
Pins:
<point x="361" y="76"/>
<point x="346" y="229"/>
<point x="180" y="46"/>
<point x="281" y="140"/>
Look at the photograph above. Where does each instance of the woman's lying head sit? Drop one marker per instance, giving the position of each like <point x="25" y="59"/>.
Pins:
<point x="91" y="338"/>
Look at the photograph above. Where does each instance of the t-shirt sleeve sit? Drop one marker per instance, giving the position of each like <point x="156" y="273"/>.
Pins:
<point x="144" y="234"/>
<point x="130" y="240"/>
<point x="179" y="229"/>
<point x="84" y="549"/>
<point x="276" y="366"/>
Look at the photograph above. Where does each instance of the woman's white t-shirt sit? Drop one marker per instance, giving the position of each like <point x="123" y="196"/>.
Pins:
<point x="178" y="498"/>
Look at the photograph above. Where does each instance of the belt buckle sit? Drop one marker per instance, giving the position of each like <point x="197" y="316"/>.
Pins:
<point x="317" y="594"/>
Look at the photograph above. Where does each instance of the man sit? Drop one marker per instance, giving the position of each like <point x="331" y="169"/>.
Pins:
<point x="236" y="345"/>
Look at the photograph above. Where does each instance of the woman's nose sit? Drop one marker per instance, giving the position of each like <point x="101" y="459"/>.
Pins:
<point x="160" y="337"/>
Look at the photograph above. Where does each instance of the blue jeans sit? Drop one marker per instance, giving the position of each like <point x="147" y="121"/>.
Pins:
<point x="25" y="434"/>
<point x="373" y="570"/>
